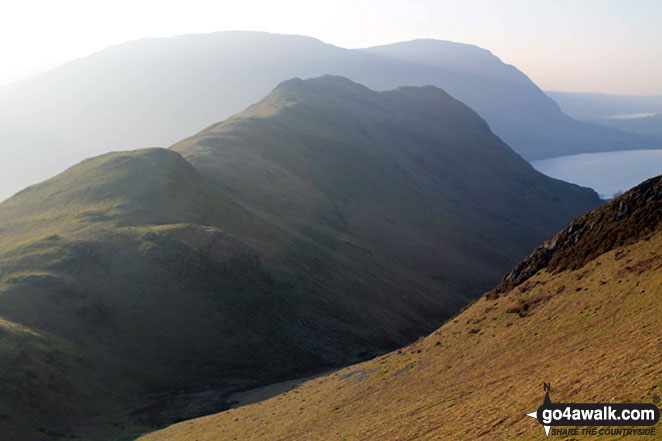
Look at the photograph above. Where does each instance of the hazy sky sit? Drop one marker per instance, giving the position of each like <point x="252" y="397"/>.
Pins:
<point x="572" y="45"/>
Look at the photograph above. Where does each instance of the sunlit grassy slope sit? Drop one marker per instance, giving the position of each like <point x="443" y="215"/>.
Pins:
<point x="585" y="320"/>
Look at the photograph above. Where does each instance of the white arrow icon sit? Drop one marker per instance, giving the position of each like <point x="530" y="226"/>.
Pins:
<point x="535" y="415"/>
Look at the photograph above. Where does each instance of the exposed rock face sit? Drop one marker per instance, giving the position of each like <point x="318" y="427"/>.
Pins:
<point x="627" y="219"/>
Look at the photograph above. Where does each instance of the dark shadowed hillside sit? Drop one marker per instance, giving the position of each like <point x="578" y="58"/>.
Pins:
<point x="411" y="176"/>
<point x="134" y="293"/>
<point x="585" y="320"/>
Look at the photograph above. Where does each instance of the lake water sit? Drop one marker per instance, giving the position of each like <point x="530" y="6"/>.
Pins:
<point x="607" y="172"/>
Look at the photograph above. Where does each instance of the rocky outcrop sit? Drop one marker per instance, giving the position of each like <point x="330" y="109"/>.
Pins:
<point x="629" y="218"/>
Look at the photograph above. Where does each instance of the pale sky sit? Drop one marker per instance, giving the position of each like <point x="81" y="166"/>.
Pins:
<point x="568" y="45"/>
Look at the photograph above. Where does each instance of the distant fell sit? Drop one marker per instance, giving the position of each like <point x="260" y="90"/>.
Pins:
<point x="646" y="124"/>
<point x="640" y="114"/>
<point x="599" y="106"/>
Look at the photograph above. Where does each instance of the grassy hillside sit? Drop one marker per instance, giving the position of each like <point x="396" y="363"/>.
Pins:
<point x="582" y="312"/>
<point x="111" y="285"/>
<point x="412" y="176"/>
<point x="133" y="292"/>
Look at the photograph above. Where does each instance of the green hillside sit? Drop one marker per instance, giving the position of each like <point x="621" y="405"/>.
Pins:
<point x="410" y="175"/>
<point x="111" y="285"/>
<point x="581" y="313"/>
<point x="130" y="284"/>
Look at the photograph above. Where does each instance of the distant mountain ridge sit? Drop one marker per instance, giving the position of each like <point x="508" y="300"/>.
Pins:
<point x="640" y="114"/>
<point x="650" y="124"/>
<point x="156" y="91"/>
<point x="597" y="106"/>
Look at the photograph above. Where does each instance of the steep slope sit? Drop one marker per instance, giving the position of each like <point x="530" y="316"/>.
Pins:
<point x="156" y="91"/>
<point x="114" y="275"/>
<point x="411" y="176"/>
<point x="133" y="292"/>
<point x="582" y="313"/>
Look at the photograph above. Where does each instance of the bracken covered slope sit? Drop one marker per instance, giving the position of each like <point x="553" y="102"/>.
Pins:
<point x="590" y="329"/>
